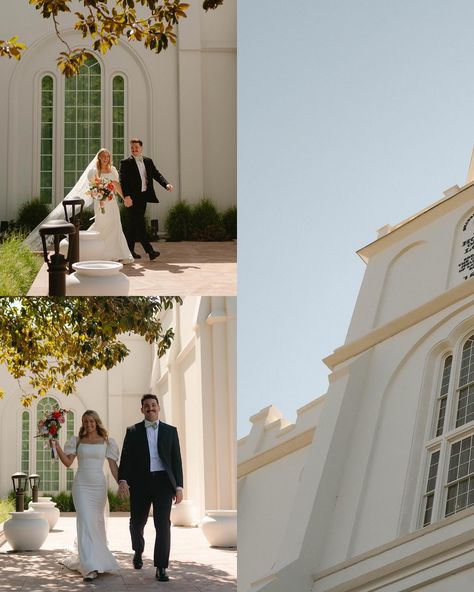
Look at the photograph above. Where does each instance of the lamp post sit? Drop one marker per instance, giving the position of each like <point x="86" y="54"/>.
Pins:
<point x="34" y="484"/>
<point x="75" y="219"/>
<point x="19" y="485"/>
<point x="57" y="263"/>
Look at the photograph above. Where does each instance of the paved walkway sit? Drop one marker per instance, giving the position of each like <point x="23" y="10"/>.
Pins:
<point x="194" y="566"/>
<point x="183" y="268"/>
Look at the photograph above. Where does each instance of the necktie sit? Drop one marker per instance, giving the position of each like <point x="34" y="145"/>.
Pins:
<point x="151" y="424"/>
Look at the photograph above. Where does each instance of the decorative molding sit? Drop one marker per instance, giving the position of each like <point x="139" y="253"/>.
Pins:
<point x="276" y="453"/>
<point x="401" y="323"/>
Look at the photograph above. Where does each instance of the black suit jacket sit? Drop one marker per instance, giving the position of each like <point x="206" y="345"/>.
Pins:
<point x="131" y="181"/>
<point x="135" y="458"/>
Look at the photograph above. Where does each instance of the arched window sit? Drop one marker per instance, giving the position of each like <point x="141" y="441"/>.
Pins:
<point x="46" y="468"/>
<point x="449" y="480"/>
<point x="82" y="120"/>
<point x="82" y="126"/>
<point x="118" y="119"/>
<point x="46" y="123"/>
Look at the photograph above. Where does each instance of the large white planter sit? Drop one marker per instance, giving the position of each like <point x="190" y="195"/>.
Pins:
<point x="97" y="278"/>
<point x="49" y="509"/>
<point x="26" y="531"/>
<point x="184" y="514"/>
<point x="91" y="245"/>
<point x="220" y="528"/>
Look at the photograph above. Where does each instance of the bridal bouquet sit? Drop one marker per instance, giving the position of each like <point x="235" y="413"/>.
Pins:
<point x="101" y="190"/>
<point x="49" y="426"/>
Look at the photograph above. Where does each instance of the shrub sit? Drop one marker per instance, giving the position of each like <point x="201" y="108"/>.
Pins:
<point x="31" y="214"/>
<point x="206" y="222"/>
<point x="18" y="266"/>
<point x="178" y="223"/>
<point x="63" y="500"/>
<point x="229" y="220"/>
<point x="85" y="219"/>
<point x="118" y="504"/>
<point x="11" y="500"/>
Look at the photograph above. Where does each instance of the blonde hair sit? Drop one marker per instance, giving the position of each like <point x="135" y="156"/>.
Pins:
<point x="98" y="165"/>
<point x="100" y="428"/>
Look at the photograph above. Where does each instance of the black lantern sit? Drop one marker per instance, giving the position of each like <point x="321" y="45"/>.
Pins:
<point x="76" y="204"/>
<point x="57" y="263"/>
<point x="20" y="481"/>
<point x="34" y="484"/>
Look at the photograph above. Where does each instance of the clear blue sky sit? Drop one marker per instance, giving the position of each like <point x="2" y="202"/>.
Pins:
<point x="351" y="115"/>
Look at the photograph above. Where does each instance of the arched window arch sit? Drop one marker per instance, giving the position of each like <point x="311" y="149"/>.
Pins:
<point x="82" y="120"/>
<point x="80" y="131"/>
<point x="46" y="143"/>
<point x="449" y="478"/>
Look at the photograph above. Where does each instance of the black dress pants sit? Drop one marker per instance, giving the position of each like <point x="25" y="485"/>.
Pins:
<point x="136" y="230"/>
<point x="156" y="489"/>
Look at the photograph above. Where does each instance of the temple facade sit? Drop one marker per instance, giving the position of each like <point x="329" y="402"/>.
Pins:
<point x="372" y="488"/>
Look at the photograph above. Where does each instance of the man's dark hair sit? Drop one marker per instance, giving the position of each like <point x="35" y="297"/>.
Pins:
<point x="136" y="141"/>
<point x="149" y="396"/>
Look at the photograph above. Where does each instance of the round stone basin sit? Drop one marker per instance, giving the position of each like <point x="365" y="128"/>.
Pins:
<point x="97" y="268"/>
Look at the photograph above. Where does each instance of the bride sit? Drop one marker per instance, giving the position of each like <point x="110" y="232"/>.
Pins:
<point x="107" y="213"/>
<point x="89" y="493"/>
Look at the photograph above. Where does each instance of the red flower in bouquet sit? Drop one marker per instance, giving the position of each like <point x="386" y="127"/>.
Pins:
<point x="49" y="426"/>
<point x="101" y="190"/>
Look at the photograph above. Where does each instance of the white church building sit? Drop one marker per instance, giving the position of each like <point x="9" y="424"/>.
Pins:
<point x="181" y="103"/>
<point x="194" y="382"/>
<point x="372" y="488"/>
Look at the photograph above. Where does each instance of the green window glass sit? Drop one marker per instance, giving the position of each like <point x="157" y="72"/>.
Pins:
<point x="69" y="433"/>
<point x="82" y="121"/>
<point x="46" y="467"/>
<point x="46" y="144"/>
<point x="25" y="442"/>
<point x="118" y="119"/>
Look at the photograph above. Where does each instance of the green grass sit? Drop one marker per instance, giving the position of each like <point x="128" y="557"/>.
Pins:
<point x="18" y="266"/>
<point x="6" y="505"/>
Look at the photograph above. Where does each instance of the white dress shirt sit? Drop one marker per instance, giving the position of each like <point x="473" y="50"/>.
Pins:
<point x="142" y="171"/>
<point x="156" y="464"/>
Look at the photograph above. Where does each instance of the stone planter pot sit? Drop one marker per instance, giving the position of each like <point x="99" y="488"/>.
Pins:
<point x="91" y="245"/>
<point x="97" y="278"/>
<point x="48" y="508"/>
<point x="26" y="531"/>
<point x="220" y="528"/>
<point x="184" y="514"/>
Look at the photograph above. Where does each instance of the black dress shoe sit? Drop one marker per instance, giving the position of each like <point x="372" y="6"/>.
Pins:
<point x="154" y="255"/>
<point x="161" y="574"/>
<point x="137" y="561"/>
<point x="136" y="256"/>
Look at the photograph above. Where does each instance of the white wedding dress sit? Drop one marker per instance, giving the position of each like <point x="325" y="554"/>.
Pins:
<point x="89" y="492"/>
<point x="109" y="224"/>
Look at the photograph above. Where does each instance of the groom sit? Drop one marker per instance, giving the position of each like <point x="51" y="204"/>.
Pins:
<point x="151" y="473"/>
<point x="136" y="178"/>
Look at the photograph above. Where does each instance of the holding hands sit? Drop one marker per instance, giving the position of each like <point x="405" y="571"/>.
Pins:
<point x="127" y="201"/>
<point x="123" y="490"/>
